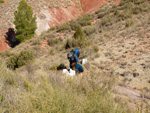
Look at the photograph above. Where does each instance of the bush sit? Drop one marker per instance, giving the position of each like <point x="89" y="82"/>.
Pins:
<point x="74" y="24"/>
<point x="24" y="58"/>
<point x="57" y="67"/>
<point x="52" y="42"/>
<point x="79" y="34"/>
<point x="85" y="20"/>
<point x="2" y="1"/>
<point x="95" y="48"/>
<point x="63" y="27"/>
<point x="129" y="23"/>
<point x="78" y="40"/>
<point x="68" y="44"/>
<point x="89" y="30"/>
<point x="19" y="60"/>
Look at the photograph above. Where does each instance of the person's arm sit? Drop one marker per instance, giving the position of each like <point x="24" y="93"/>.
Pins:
<point x="76" y="58"/>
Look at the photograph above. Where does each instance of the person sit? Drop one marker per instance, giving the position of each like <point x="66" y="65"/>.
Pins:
<point x="79" y="68"/>
<point x="73" y="57"/>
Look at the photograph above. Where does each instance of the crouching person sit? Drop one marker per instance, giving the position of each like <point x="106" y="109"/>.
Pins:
<point x="79" y="69"/>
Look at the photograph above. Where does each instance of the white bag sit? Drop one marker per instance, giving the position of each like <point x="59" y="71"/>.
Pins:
<point x="84" y="60"/>
<point x="69" y="73"/>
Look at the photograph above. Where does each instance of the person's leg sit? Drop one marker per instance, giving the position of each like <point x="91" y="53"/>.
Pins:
<point x="70" y="65"/>
<point x="79" y="68"/>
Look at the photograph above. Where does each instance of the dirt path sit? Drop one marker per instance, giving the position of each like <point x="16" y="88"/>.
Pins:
<point x="129" y="92"/>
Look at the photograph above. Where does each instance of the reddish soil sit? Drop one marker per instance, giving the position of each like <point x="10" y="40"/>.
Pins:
<point x="117" y="2"/>
<point x="90" y="6"/>
<point x="3" y="45"/>
<point x="61" y="14"/>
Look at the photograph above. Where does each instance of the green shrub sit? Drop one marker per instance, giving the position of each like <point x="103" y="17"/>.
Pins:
<point x="12" y="62"/>
<point x="85" y="20"/>
<point x="78" y="40"/>
<point x="89" y="30"/>
<point x="52" y="42"/>
<point x="24" y="58"/>
<point x="74" y="24"/>
<point x="2" y="1"/>
<point x="63" y="27"/>
<point x="52" y="28"/>
<point x="57" y="67"/>
<point x="129" y="23"/>
<point x="79" y="34"/>
<point x="19" y="60"/>
<point x="95" y="48"/>
<point x="105" y="21"/>
<point x="68" y="44"/>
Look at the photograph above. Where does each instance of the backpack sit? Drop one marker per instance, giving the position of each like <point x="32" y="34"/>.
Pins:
<point x="76" y="51"/>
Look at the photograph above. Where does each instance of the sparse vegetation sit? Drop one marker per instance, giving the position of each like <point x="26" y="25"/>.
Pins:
<point x="52" y="42"/>
<point x="63" y="27"/>
<point x="89" y="30"/>
<point x="85" y="20"/>
<point x="95" y="48"/>
<point x="2" y="1"/>
<point x="19" y="60"/>
<point x="78" y="40"/>
<point x="57" y="67"/>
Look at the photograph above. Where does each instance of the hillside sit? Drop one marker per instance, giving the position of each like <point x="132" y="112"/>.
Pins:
<point x="49" y="12"/>
<point x="116" y="77"/>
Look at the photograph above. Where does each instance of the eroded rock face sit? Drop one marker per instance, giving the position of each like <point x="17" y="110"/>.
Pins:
<point x="3" y="45"/>
<point x="88" y="6"/>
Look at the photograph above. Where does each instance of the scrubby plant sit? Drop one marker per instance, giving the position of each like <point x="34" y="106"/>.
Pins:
<point x="57" y="67"/>
<point x="68" y="44"/>
<point x="95" y="48"/>
<point x="2" y="1"/>
<point x="79" y="34"/>
<point x="89" y="30"/>
<point x="74" y="24"/>
<point x="85" y="20"/>
<point x="19" y="60"/>
<point x="12" y="62"/>
<point x="129" y="23"/>
<point x="24" y="58"/>
<point x="25" y="22"/>
<point x="52" y="42"/>
<point x="63" y="27"/>
<point x="78" y="39"/>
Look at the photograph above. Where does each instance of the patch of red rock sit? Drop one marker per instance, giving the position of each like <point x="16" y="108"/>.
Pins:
<point x="3" y="45"/>
<point x="61" y="14"/>
<point x="117" y="2"/>
<point x="89" y="6"/>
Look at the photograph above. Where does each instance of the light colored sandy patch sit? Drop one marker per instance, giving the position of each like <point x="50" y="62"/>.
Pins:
<point x="42" y="24"/>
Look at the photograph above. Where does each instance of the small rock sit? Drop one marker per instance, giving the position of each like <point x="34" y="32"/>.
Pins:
<point x="135" y="74"/>
<point x="126" y="74"/>
<point x="124" y="56"/>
